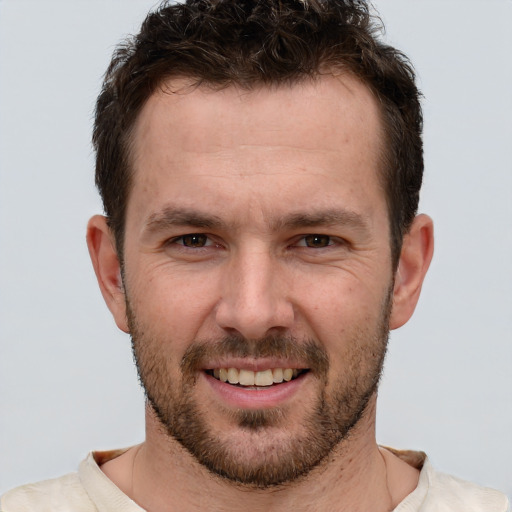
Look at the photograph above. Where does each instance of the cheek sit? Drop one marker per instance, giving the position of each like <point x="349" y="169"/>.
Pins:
<point x="338" y="309"/>
<point x="172" y="304"/>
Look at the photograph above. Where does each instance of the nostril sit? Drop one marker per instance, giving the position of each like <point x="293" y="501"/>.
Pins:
<point x="255" y="322"/>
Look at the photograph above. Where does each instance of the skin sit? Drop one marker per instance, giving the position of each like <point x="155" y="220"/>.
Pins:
<point x="265" y="156"/>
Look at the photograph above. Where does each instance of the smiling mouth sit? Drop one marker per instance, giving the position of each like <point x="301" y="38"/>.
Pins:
<point x="247" y="378"/>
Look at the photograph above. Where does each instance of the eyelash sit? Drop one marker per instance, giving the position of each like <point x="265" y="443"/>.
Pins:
<point x="192" y="236"/>
<point x="315" y="238"/>
<point x="326" y="241"/>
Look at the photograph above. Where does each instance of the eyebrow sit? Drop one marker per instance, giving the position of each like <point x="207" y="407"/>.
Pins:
<point x="172" y="216"/>
<point x="329" y="217"/>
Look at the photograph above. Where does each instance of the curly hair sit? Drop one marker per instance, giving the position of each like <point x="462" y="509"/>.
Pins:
<point x="260" y="42"/>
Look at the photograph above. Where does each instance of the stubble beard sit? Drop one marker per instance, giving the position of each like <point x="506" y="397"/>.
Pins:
<point x="267" y="457"/>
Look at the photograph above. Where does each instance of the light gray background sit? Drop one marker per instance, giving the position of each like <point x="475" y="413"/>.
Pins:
<point x="67" y="383"/>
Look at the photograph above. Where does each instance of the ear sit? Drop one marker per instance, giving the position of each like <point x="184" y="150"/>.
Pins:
<point x="102" y="250"/>
<point x="415" y="257"/>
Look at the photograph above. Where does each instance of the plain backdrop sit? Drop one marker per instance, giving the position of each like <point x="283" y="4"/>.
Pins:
<point x="67" y="382"/>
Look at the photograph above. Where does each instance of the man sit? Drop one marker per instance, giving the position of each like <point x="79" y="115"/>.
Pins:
<point x="260" y="167"/>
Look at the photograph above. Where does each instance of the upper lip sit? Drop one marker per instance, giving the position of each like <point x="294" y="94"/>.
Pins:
<point x="255" y="365"/>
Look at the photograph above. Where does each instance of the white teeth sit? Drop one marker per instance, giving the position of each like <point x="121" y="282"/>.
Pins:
<point x="264" y="378"/>
<point x="233" y="376"/>
<point x="249" y="378"/>
<point x="246" y="378"/>
<point x="277" y="375"/>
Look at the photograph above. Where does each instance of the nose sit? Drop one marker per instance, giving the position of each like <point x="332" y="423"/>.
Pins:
<point x="254" y="300"/>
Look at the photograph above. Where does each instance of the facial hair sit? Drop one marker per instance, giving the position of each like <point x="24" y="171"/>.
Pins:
<point x="268" y="456"/>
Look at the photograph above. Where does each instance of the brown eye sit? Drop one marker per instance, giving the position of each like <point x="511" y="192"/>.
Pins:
<point x="194" y="240"/>
<point x="317" y="241"/>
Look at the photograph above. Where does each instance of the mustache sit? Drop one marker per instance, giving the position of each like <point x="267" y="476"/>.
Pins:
<point x="307" y="352"/>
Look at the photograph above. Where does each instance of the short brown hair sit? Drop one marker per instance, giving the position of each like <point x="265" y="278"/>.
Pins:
<point x="266" y="42"/>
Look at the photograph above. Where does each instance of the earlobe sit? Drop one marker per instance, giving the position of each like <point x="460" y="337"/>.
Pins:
<point x="105" y="261"/>
<point x="415" y="258"/>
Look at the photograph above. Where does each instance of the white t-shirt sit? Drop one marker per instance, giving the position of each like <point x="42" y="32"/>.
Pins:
<point x="89" y="490"/>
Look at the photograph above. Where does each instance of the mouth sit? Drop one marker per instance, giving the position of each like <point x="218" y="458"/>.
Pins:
<point x="249" y="379"/>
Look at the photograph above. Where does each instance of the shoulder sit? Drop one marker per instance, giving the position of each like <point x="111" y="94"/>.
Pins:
<point x="64" y="494"/>
<point x="451" y="494"/>
<point x="439" y="492"/>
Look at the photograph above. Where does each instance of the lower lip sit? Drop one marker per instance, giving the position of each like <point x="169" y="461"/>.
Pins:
<point x="261" y="398"/>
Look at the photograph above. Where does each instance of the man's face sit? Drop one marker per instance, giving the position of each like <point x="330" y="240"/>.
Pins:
<point x="257" y="240"/>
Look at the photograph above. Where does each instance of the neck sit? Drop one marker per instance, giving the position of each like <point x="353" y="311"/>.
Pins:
<point x="357" y="477"/>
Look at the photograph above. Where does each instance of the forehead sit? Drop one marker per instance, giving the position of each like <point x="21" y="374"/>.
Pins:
<point x="209" y="145"/>
<point x="304" y="110"/>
